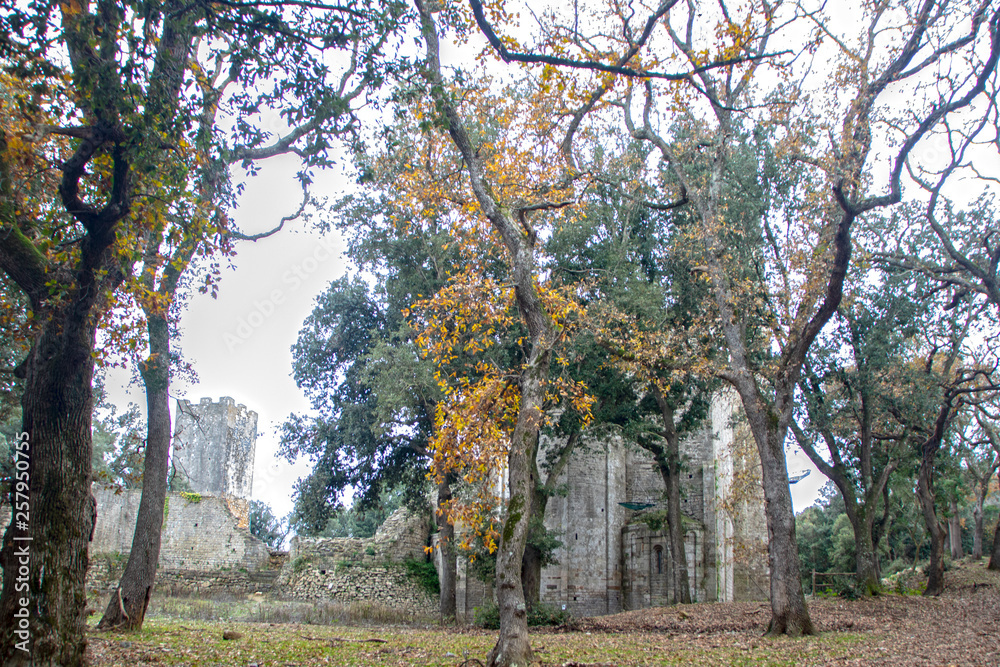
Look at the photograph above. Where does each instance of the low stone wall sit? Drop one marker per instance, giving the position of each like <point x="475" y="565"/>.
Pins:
<point x="105" y="571"/>
<point x="388" y="584"/>
<point x="353" y="570"/>
<point x="403" y="536"/>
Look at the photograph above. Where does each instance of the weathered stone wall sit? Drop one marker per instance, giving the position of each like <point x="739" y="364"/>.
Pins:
<point x="213" y="447"/>
<point x="370" y="569"/>
<point x="403" y="536"/>
<point x="740" y="523"/>
<point x="199" y="532"/>
<point x="105" y="571"/>
<point x="647" y="564"/>
<point x="588" y="520"/>
<point x="388" y="584"/>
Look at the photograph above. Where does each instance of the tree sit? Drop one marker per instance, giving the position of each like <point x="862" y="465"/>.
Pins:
<point x="980" y="451"/>
<point x="987" y="419"/>
<point x="824" y="213"/>
<point x="850" y="397"/>
<point x="956" y="376"/>
<point x="265" y="526"/>
<point x="72" y="233"/>
<point x="200" y="229"/>
<point x="498" y="202"/>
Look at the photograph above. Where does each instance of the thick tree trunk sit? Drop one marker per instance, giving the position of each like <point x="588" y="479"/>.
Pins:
<point x="925" y="493"/>
<point x="865" y="560"/>
<point x="127" y="607"/>
<point x="513" y="646"/>
<point x="789" y="614"/>
<point x="42" y="608"/>
<point x="449" y="559"/>
<point x="994" y="563"/>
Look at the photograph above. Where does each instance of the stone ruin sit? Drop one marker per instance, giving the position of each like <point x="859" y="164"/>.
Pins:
<point x="207" y="547"/>
<point x="206" y="526"/>
<point x="611" y="559"/>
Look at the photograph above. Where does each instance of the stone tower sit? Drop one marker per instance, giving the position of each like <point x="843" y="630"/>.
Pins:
<point x="214" y="447"/>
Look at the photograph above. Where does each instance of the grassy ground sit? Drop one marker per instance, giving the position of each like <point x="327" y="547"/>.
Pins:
<point x="960" y="628"/>
<point x="175" y="642"/>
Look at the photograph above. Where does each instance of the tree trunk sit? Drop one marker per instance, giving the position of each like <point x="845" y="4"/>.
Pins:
<point x="449" y="558"/>
<point x="994" y="563"/>
<point x="127" y="607"/>
<point x="668" y="460"/>
<point x="955" y="532"/>
<point x="513" y="646"/>
<point x="977" y="535"/>
<point x="789" y="614"/>
<point x="865" y="558"/>
<point x="668" y="463"/>
<point x="925" y="493"/>
<point x="47" y="552"/>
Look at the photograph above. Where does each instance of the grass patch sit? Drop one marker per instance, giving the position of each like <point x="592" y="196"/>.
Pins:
<point x="230" y="609"/>
<point x="187" y="642"/>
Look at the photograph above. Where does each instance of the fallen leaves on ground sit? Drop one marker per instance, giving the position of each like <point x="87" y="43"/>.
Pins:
<point x="961" y="628"/>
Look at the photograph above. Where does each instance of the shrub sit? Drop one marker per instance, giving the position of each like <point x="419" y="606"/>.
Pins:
<point x="488" y="616"/>
<point x="425" y="574"/>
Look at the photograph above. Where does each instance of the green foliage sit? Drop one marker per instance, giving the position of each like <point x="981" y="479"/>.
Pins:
<point x="814" y="529"/>
<point x="342" y="361"/>
<point x="300" y="564"/>
<point x="266" y="526"/>
<point x="488" y="616"/>
<point x="362" y="520"/>
<point x="425" y="574"/>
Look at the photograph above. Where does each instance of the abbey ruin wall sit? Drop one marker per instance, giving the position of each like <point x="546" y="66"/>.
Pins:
<point x="199" y="532"/>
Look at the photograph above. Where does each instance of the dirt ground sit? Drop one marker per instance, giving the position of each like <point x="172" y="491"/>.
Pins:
<point x="961" y="627"/>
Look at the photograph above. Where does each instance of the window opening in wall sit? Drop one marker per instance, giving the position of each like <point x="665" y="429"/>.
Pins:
<point x="658" y="552"/>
